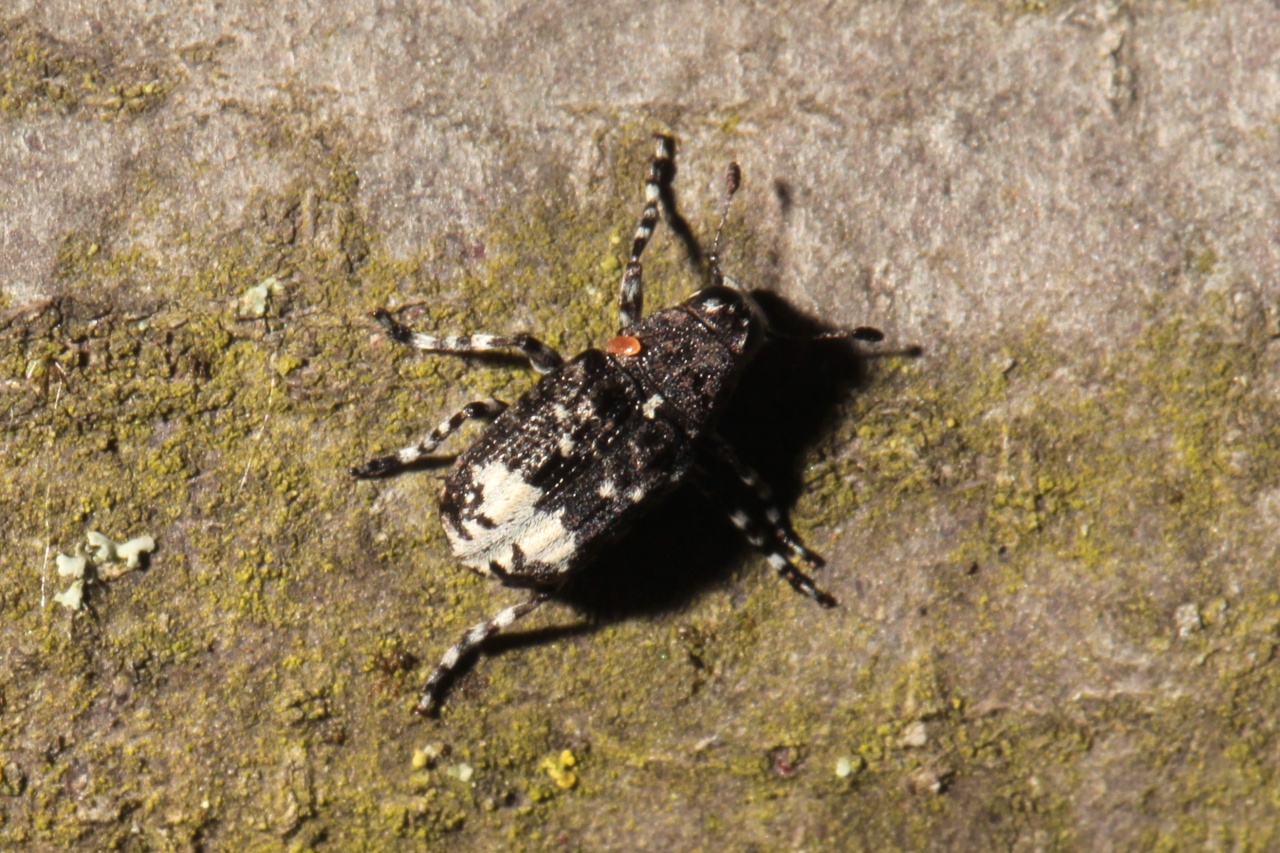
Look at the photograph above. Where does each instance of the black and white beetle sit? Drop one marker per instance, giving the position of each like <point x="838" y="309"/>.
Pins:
<point x="575" y="461"/>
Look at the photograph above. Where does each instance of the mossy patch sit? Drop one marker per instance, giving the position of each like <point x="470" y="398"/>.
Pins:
<point x="38" y="73"/>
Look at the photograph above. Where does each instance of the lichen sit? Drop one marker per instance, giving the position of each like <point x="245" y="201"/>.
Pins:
<point x="100" y="560"/>
<point x="38" y="73"/>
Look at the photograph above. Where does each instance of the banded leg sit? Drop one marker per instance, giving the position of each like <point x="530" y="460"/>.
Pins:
<point x="631" y="293"/>
<point x="772" y="515"/>
<point x="767" y="535"/>
<point x="383" y="466"/>
<point x="543" y="358"/>
<point x="474" y="636"/>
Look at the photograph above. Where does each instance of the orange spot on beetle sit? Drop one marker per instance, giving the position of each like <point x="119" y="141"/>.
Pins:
<point x="623" y="345"/>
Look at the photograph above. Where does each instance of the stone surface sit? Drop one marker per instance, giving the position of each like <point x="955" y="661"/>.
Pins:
<point x="1071" y="208"/>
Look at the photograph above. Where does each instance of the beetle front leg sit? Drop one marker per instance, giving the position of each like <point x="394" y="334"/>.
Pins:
<point x="543" y="358"/>
<point x="773" y="519"/>
<point x="631" y="293"/>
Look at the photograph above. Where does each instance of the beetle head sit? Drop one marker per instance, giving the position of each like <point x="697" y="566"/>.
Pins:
<point x="731" y="315"/>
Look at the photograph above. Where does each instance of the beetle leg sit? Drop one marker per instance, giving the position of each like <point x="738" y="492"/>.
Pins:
<point x="755" y="533"/>
<point x="383" y="466"/>
<point x="474" y="636"/>
<point x="631" y="293"/>
<point x="543" y="358"/>
<point x="631" y="296"/>
<point x="774" y="520"/>
<point x="749" y="503"/>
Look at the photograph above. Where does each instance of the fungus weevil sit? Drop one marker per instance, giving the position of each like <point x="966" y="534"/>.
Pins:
<point x="572" y="463"/>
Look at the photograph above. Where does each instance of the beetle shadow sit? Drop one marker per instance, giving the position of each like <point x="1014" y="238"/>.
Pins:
<point x="680" y="228"/>
<point x="787" y="399"/>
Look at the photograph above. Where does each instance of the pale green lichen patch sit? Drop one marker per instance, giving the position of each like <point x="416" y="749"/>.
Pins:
<point x="1121" y="475"/>
<point x="100" y="560"/>
<point x="253" y="304"/>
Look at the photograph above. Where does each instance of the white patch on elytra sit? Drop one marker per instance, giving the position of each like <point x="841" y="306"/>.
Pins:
<point x="635" y="495"/>
<point x="607" y="489"/>
<point x="566" y="445"/>
<point x="651" y="405"/>
<point x="511" y="520"/>
<point x="545" y="540"/>
<point x="561" y="413"/>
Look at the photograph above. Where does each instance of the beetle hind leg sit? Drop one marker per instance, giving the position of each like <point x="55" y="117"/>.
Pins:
<point x="429" y="697"/>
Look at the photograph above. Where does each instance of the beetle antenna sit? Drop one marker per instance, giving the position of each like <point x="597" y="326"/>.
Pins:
<point x="732" y="180"/>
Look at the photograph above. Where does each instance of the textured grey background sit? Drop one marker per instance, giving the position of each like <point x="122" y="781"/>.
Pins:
<point x="955" y="173"/>
<point x="983" y="165"/>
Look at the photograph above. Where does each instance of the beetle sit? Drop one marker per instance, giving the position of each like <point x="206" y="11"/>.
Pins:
<point x="600" y="438"/>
